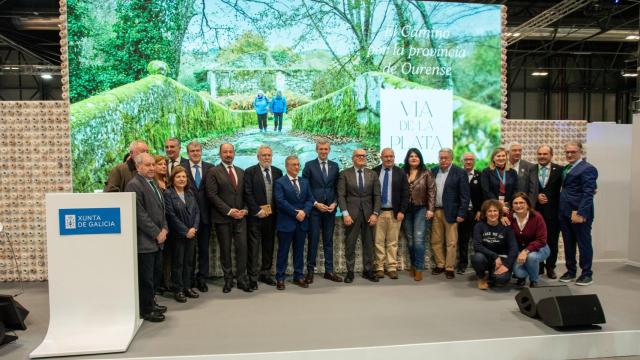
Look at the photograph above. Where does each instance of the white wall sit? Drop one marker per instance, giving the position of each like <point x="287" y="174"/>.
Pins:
<point x="634" y="209"/>
<point x="609" y="150"/>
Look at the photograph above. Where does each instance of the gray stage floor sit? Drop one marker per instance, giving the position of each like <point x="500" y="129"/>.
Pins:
<point x="329" y="315"/>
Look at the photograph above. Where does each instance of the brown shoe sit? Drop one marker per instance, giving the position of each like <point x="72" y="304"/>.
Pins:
<point x="437" y="271"/>
<point x="309" y="278"/>
<point x="301" y="283"/>
<point x="418" y="275"/>
<point x="450" y="274"/>
<point x="483" y="284"/>
<point x="393" y="275"/>
<point x="333" y="277"/>
<point x="280" y="285"/>
<point x="380" y="274"/>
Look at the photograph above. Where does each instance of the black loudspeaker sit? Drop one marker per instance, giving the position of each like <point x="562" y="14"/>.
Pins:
<point x="528" y="298"/>
<point x="12" y="314"/>
<point x="571" y="311"/>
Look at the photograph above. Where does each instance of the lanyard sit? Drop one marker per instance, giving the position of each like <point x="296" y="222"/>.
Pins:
<point x="503" y="178"/>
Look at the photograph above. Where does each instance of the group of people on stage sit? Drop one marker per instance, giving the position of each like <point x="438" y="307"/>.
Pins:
<point x="513" y="212"/>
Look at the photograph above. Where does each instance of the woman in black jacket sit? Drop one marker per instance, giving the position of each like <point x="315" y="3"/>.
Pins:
<point x="499" y="181"/>
<point x="183" y="218"/>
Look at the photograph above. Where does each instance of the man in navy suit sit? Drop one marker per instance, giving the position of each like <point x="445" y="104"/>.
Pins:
<point x="259" y="183"/>
<point x="172" y="149"/>
<point x="196" y="172"/>
<point x="576" y="213"/>
<point x="465" y="228"/>
<point x="452" y="202"/>
<point x="544" y="186"/>
<point x="322" y="175"/>
<point x="294" y="201"/>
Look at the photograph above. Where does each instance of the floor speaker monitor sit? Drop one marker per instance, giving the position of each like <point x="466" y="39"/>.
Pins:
<point x="571" y="311"/>
<point x="528" y="298"/>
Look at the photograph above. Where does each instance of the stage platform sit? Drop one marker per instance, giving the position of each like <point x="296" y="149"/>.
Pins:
<point x="394" y="318"/>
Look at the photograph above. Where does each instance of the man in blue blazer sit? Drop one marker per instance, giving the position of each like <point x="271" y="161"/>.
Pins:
<point x="294" y="201"/>
<point x="452" y="202"/>
<point x="322" y="175"/>
<point x="196" y="173"/>
<point x="576" y="213"/>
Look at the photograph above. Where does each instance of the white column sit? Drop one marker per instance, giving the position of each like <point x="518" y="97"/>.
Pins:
<point x="634" y="206"/>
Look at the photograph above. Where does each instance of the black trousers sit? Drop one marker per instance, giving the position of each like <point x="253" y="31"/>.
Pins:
<point x="203" y="240"/>
<point x="146" y="271"/>
<point x="553" y="233"/>
<point x="483" y="265"/>
<point x="262" y="121"/>
<point x="465" y="233"/>
<point x="158" y="271"/>
<point x="360" y="227"/>
<point x="261" y="234"/>
<point x="183" y="252"/>
<point x="235" y="233"/>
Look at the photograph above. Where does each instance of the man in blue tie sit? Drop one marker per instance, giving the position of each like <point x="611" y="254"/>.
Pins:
<point x="394" y="201"/>
<point x="196" y="172"/>
<point x="576" y="213"/>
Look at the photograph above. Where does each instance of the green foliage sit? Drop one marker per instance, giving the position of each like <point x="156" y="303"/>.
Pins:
<point x="477" y="77"/>
<point x="334" y="114"/>
<point x="247" y="43"/>
<point x="152" y="110"/>
<point x="284" y="56"/>
<point x="329" y="81"/>
<point x="476" y="128"/>
<point x="157" y="67"/>
<point x="245" y="101"/>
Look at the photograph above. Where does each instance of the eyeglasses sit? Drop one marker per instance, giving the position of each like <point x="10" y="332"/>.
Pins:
<point x="360" y="156"/>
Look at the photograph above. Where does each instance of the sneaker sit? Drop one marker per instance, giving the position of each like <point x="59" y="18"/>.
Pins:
<point x="520" y="282"/>
<point x="460" y="271"/>
<point x="567" y="277"/>
<point x="584" y="280"/>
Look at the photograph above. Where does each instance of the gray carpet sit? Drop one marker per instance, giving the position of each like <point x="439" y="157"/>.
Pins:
<point x="329" y="315"/>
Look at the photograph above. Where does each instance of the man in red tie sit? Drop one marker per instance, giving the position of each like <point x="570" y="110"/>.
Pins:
<point x="225" y="189"/>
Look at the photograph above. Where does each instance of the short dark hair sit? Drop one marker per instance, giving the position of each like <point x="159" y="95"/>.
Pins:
<point x="175" y="171"/>
<point x="490" y="203"/>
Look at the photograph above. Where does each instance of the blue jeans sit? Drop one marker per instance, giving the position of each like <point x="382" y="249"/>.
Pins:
<point x="416" y="227"/>
<point x="531" y="266"/>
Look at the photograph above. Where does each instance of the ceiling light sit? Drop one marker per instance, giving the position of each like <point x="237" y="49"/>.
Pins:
<point x="540" y="73"/>
<point x="633" y="37"/>
<point x="46" y="76"/>
<point x="626" y="74"/>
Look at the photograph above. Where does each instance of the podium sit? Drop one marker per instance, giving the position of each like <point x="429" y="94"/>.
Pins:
<point x="93" y="267"/>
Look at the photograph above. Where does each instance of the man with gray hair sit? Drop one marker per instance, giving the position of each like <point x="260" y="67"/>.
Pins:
<point x="452" y="203"/>
<point x="521" y="166"/>
<point x="122" y="173"/>
<point x="152" y="230"/>
<point x="172" y="149"/>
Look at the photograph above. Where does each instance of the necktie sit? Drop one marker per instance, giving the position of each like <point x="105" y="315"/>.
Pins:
<point x="295" y="185"/>
<point x="232" y="178"/>
<point x="360" y="182"/>
<point x="324" y="170"/>
<point x="566" y="170"/>
<point x="155" y="190"/>
<point x="543" y="176"/>
<point x="266" y="174"/>
<point x="385" y="186"/>
<point x="197" y="177"/>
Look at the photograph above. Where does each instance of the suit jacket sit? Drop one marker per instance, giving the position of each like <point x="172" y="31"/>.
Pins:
<point x="455" y="195"/>
<point x="255" y="192"/>
<point x="181" y="215"/>
<point x="199" y="192"/>
<point x="221" y="194"/>
<point x="120" y="176"/>
<point x="523" y="175"/>
<point x="578" y="188"/>
<point x="323" y="190"/>
<point x="475" y="191"/>
<point x="150" y="217"/>
<point x="551" y="190"/>
<point x="399" y="189"/>
<point x="491" y="184"/>
<point x="350" y="198"/>
<point x="288" y="202"/>
<point x="181" y="161"/>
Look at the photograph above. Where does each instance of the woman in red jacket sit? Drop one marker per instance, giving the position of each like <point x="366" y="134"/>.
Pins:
<point x="531" y="236"/>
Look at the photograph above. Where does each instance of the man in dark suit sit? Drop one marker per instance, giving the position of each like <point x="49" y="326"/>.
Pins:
<point x="152" y="230"/>
<point x="294" y="201"/>
<point x="259" y="183"/>
<point x="197" y="170"/>
<point x="322" y="175"/>
<point x="122" y="173"/>
<point x="172" y="149"/>
<point x="359" y="200"/>
<point x="576" y="213"/>
<point x="452" y="203"/>
<point x="225" y="191"/>
<point x="545" y="182"/>
<point x="521" y="166"/>
<point x="394" y="200"/>
<point x="465" y="228"/>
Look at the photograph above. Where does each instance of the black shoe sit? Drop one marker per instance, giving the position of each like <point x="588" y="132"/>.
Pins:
<point x="533" y="284"/>
<point x="541" y="270"/>
<point x="371" y="276"/>
<point x="349" y="278"/>
<point x="190" y="293"/>
<point x="159" y="308"/>
<point x="254" y="285"/>
<point x="160" y="290"/>
<point x="437" y="271"/>
<point x="450" y="274"/>
<point x="584" y="280"/>
<point x="309" y="278"/>
<point x="202" y="286"/>
<point x="461" y="270"/>
<point x="521" y="282"/>
<point x="551" y="273"/>
<point x="267" y="280"/>
<point x="567" y="277"/>
<point x="153" y="317"/>
<point x="228" y="285"/>
<point x="179" y="296"/>
<point x="244" y="287"/>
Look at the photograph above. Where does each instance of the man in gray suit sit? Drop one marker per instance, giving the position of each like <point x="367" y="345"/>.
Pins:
<point x="359" y="200"/>
<point x="225" y="189"/>
<point x="522" y="167"/>
<point x="152" y="231"/>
